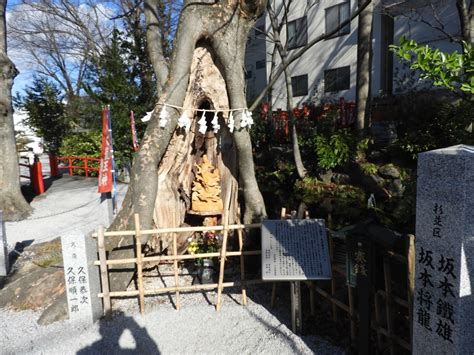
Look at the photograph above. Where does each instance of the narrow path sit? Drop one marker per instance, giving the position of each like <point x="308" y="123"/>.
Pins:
<point x="70" y="203"/>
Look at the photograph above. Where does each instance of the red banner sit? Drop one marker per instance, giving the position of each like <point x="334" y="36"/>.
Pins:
<point x="105" y="170"/>
<point x="134" y="132"/>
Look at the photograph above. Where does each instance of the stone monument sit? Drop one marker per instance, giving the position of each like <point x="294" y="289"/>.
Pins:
<point x="206" y="190"/>
<point x="443" y="306"/>
<point x="4" y="266"/>
<point x="82" y="277"/>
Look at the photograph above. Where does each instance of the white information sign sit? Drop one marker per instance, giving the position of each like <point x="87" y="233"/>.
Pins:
<point x="295" y="250"/>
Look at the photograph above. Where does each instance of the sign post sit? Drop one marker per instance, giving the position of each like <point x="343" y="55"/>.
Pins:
<point x="295" y="250"/>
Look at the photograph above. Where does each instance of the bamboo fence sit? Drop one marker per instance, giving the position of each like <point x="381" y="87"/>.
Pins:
<point x="140" y="260"/>
<point x="384" y="299"/>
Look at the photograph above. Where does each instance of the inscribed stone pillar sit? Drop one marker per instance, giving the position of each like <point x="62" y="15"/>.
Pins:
<point x="443" y="300"/>
<point x="82" y="277"/>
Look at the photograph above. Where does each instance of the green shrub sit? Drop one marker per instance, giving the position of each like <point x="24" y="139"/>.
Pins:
<point x="312" y="190"/>
<point x="82" y="145"/>
<point x="335" y="150"/>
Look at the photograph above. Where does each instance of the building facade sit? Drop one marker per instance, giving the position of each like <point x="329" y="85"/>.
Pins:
<point x="327" y="71"/>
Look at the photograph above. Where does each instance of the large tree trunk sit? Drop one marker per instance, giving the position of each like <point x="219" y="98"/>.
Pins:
<point x="364" y="68"/>
<point x="223" y="26"/>
<point x="12" y="201"/>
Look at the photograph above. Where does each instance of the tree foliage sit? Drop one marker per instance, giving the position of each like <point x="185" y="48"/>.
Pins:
<point x="116" y="80"/>
<point x="43" y="102"/>
<point x="454" y="71"/>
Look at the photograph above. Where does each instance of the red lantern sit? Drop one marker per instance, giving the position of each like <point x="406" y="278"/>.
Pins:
<point x="265" y="107"/>
<point x="306" y="110"/>
<point x="296" y="112"/>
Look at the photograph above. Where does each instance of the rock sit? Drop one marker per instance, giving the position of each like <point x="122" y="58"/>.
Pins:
<point x="326" y="176"/>
<point x="375" y="184"/>
<point x="341" y="179"/>
<point x="37" y="281"/>
<point x="55" y="312"/>
<point x="389" y="172"/>
<point x="376" y="156"/>
<point x="396" y="187"/>
<point x="36" y="289"/>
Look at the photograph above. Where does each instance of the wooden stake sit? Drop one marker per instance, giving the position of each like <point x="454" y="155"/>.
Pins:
<point x="104" y="276"/>
<point x="138" y="242"/>
<point x="388" y="303"/>
<point x="175" y="266"/>
<point x="351" y="314"/>
<point x="410" y="279"/>
<point x="242" y="260"/>
<point x="312" y="306"/>
<point x="377" y="320"/>
<point x="333" y="280"/>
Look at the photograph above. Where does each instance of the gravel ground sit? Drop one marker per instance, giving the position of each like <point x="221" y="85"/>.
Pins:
<point x="72" y="203"/>
<point x="196" y="329"/>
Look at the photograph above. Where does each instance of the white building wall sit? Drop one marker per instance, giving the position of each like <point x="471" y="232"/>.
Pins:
<point x="328" y="54"/>
<point x="342" y="51"/>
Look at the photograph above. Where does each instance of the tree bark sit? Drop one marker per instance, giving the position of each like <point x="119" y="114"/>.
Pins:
<point x="466" y="19"/>
<point x="289" y="90"/>
<point x="12" y="202"/>
<point x="364" y="68"/>
<point x="155" y="43"/>
<point x="224" y="25"/>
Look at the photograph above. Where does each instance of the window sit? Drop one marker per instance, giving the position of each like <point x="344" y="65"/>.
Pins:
<point x="248" y="74"/>
<point x="337" y="79"/>
<point x="297" y="33"/>
<point x="335" y="15"/>
<point x="299" y="85"/>
<point x="260" y="64"/>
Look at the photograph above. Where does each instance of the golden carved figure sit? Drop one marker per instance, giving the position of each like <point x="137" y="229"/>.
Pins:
<point x="206" y="188"/>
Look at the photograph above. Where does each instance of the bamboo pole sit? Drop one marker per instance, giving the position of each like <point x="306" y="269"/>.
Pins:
<point x="104" y="273"/>
<point x="335" y="301"/>
<point x="242" y="260"/>
<point x="147" y="259"/>
<point x="175" y="266"/>
<point x="172" y="289"/>
<point x="141" y="294"/>
<point x="179" y="229"/>
<point x="223" y="249"/>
